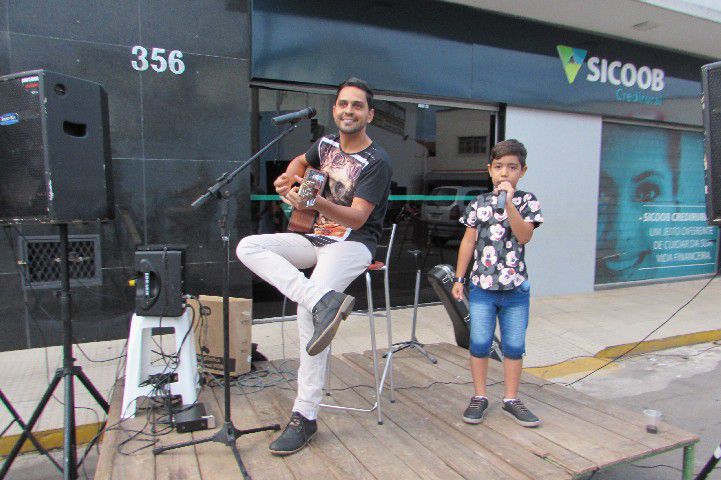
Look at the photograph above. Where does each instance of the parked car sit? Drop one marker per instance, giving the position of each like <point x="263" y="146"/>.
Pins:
<point x="441" y="216"/>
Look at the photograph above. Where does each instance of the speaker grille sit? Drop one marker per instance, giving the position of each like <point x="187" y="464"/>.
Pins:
<point x="23" y="193"/>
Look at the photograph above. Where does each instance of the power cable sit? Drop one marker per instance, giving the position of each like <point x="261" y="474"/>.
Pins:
<point x="615" y="359"/>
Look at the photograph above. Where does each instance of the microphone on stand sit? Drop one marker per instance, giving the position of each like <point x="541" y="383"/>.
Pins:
<point x="294" y="117"/>
<point x="501" y="205"/>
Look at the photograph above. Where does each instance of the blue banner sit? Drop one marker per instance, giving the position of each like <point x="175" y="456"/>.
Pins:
<point x="651" y="208"/>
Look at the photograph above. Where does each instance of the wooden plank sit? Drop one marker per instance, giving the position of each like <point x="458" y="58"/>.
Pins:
<point x="310" y="462"/>
<point x="621" y="420"/>
<point x="466" y="456"/>
<point x="216" y="459"/>
<point x="583" y="434"/>
<point x="351" y="445"/>
<point x="392" y="438"/>
<point x="109" y="440"/>
<point x="141" y="464"/>
<point x="594" y="442"/>
<point x="181" y="463"/>
<point x="447" y="407"/>
<point x="449" y="401"/>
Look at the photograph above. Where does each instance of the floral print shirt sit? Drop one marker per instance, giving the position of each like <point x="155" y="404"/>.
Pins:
<point x="498" y="260"/>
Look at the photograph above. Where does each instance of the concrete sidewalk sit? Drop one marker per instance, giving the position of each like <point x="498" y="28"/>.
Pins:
<point x="567" y="335"/>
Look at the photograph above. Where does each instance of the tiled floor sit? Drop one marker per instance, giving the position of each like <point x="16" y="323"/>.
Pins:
<point x="560" y="328"/>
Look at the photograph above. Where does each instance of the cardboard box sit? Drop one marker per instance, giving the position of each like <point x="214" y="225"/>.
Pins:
<point x="209" y="333"/>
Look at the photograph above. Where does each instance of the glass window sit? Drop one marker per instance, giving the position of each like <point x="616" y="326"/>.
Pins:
<point x="447" y="195"/>
<point x="471" y="145"/>
<point x="651" y="209"/>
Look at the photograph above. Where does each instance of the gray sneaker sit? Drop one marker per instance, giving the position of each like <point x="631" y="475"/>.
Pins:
<point x="296" y="435"/>
<point x="520" y="413"/>
<point x="327" y="315"/>
<point x="476" y="410"/>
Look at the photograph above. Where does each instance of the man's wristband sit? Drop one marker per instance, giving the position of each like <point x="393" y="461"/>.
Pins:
<point x="461" y="280"/>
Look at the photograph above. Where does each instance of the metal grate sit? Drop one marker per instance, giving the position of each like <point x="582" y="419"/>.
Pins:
<point x="41" y="256"/>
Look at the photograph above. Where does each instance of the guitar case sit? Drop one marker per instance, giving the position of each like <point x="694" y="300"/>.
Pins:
<point x="441" y="279"/>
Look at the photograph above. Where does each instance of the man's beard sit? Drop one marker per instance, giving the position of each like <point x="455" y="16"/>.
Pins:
<point x="354" y="128"/>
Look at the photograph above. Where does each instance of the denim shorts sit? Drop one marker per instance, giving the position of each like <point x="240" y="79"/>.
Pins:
<point x="511" y="309"/>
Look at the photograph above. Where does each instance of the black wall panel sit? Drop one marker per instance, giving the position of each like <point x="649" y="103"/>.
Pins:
<point x="4" y="47"/>
<point x="171" y="134"/>
<point x="96" y="21"/>
<point x="174" y="186"/>
<point x="219" y="28"/>
<point x="129" y="227"/>
<point x="201" y="114"/>
<point x="3" y="15"/>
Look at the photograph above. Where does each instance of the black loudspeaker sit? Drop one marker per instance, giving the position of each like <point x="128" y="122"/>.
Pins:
<point x="54" y="149"/>
<point x="159" y="280"/>
<point x="711" y="80"/>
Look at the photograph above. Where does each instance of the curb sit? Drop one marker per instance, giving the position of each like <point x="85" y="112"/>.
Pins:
<point x="589" y="363"/>
<point x="50" y="439"/>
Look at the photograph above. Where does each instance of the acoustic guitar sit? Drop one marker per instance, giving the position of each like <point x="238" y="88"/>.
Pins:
<point x="301" y="221"/>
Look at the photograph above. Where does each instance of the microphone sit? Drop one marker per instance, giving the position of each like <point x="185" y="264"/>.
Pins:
<point x="501" y="205"/>
<point x="294" y="117"/>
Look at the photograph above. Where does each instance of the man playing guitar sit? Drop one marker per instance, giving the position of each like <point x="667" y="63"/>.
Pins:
<point x="341" y="245"/>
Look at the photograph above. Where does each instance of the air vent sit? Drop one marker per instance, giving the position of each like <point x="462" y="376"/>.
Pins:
<point x="41" y="256"/>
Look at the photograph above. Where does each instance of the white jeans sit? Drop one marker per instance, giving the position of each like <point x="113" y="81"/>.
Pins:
<point x="277" y="258"/>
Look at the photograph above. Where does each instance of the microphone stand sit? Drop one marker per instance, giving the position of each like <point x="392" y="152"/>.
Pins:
<point x="228" y="434"/>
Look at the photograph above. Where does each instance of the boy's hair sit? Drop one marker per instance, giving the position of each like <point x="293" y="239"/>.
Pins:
<point x="509" y="147"/>
<point x="358" y="83"/>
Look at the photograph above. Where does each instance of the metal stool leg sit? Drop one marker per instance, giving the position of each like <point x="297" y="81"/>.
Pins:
<point x="372" y="321"/>
<point x="374" y="350"/>
<point x="326" y="383"/>
<point x="389" y="361"/>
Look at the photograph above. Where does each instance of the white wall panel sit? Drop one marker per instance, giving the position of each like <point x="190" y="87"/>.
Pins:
<point x="563" y="163"/>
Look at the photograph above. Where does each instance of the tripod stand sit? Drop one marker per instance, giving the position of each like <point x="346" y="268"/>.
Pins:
<point x="413" y="342"/>
<point x="66" y="373"/>
<point x="23" y="427"/>
<point x="227" y="434"/>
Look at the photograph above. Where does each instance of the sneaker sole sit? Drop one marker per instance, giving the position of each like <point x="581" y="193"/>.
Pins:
<point x="283" y="453"/>
<point x="474" y="421"/>
<point x="327" y="335"/>
<point x="521" y="422"/>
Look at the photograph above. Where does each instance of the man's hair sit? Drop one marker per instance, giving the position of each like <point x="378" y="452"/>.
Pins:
<point x="358" y="83"/>
<point x="509" y="147"/>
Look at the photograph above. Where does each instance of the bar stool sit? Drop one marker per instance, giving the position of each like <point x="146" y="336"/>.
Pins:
<point x="138" y="367"/>
<point x="376" y="266"/>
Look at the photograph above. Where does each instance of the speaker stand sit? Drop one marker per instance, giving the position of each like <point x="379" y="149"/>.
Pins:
<point x="66" y="373"/>
<point x="24" y="428"/>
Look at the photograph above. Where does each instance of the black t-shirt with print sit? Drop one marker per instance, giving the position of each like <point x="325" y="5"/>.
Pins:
<point x="499" y="262"/>
<point x="366" y="174"/>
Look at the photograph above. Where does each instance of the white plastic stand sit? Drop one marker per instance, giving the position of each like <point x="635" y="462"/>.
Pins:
<point x="138" y="366"/>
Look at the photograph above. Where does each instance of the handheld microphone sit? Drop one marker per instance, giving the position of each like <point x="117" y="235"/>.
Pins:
<point x="308" y="112"/>
<point x="501" y="205"/>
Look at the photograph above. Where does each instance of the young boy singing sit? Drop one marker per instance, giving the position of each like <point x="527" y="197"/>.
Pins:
<point x="496" y="236"/>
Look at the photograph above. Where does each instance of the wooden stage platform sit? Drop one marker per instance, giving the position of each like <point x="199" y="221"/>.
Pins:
<point x="423" y="435"/>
